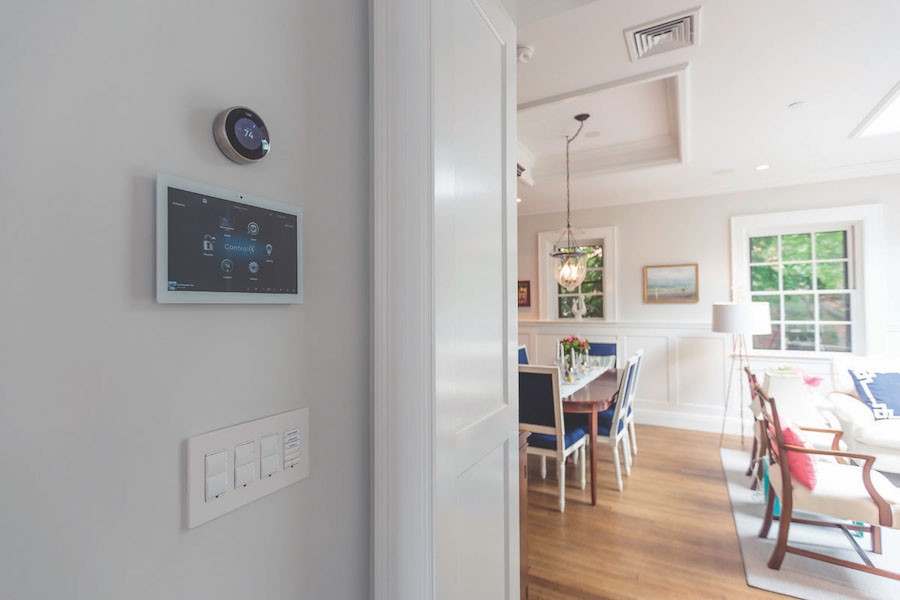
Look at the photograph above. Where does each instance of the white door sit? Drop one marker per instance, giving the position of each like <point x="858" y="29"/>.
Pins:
<point x="475" y="373"/>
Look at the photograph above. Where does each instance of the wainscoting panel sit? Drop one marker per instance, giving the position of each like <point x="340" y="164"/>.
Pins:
<point x="700" y="371"/>
<point x="654" y="384"/>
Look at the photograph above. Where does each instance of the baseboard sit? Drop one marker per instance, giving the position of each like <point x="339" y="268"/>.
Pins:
<point x="695" y="421"/>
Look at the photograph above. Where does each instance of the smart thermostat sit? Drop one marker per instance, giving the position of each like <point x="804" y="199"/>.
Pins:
<point x="241" y="135"/>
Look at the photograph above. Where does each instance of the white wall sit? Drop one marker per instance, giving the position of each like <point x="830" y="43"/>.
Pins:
<point x="99" y="385"/>
<point x="681" y="349"/>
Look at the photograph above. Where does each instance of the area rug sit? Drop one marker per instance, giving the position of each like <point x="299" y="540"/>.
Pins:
<point x="799" y="576"/>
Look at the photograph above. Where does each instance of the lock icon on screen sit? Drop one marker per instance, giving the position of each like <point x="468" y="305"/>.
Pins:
<point x="208" y="243"/>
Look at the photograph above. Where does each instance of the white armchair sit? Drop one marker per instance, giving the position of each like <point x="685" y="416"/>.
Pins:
<point x="796" y="404"/>
<point x="862" y="432"/>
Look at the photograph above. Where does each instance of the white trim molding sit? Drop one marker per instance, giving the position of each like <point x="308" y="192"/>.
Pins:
<point x="403" y="333"/>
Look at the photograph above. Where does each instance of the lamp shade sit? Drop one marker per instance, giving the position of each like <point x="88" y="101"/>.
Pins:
<point x="744" y="318"/>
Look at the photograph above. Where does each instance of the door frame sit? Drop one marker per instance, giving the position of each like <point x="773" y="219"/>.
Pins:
<point x="402" y="325"/>
<point x="403" y="399"/>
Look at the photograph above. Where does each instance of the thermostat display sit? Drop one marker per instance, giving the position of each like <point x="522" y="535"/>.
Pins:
<point x="248" y="134"/>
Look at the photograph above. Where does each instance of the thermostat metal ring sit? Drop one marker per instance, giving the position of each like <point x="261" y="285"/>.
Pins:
<point x="252" y="129"/>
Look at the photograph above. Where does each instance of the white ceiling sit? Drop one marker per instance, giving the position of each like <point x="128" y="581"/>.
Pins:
<point x="754" y="59"/>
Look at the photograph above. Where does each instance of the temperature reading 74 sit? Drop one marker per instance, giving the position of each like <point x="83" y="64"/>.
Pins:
<point x="248" y="133"/>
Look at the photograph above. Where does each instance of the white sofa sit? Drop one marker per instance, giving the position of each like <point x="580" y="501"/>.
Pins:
<point x="862" y="432"/>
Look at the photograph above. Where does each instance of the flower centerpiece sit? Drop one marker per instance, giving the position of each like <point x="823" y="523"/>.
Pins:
<point x="573" y="350"/>
<point x="574" y="344"/>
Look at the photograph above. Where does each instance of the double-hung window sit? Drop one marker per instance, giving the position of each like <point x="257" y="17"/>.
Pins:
<point x="807" y="278"/>
<point x="815" y="269"/>
<point x="556" y="301"/>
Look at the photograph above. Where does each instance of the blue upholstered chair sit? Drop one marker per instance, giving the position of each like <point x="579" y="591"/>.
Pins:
<point x="523" y="355"/>
<point x="611" y="426"/>
<point x="541" y="413"/>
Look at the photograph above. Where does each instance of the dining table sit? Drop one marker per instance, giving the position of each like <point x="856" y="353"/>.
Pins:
<point x="599" y="385"/>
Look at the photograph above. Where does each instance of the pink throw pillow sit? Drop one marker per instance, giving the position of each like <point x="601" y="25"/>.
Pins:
<point x="803" y="468"/>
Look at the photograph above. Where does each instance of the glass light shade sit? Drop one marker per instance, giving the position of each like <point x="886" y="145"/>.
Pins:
<point x="569" y="268"/>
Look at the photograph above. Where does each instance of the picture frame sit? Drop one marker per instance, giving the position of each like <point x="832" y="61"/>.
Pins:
<point x="667" y="284"/>
<point x="523" y="293"/>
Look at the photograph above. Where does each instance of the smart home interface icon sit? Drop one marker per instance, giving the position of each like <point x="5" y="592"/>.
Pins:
<point x="217" y="245"/>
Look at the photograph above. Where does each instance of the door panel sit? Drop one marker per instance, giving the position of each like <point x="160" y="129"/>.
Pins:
<point x="469" y="212"/>
<point x="476" y="493"/>
<point x="481" y="505"/>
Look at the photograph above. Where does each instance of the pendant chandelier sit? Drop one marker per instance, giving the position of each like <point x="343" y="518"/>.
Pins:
<point x="569" y="259"/>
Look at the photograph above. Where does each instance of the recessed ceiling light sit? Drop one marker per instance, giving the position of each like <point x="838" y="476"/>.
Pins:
<point x="762" y="167"/>
<point x="518" y="199"/>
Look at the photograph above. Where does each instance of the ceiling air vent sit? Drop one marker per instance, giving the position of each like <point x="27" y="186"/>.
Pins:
<point x="672" y="32"/>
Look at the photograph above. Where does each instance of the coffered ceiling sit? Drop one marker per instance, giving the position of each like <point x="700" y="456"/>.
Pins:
<point x="768" y="82"/>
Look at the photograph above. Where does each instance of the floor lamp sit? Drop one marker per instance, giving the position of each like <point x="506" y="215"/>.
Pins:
<point x="740" y="319"/>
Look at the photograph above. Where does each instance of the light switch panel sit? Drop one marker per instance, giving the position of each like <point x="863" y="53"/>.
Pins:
<point x="234" y="466"/>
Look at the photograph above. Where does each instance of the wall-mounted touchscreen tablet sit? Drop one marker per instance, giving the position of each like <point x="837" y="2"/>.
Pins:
<point x="220" y="246"/>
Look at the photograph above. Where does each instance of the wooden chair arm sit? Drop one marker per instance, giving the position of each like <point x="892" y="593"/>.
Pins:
<point x="836" y="453"/>
<point x="837" y="433"/>
<point x="885" y="516"/>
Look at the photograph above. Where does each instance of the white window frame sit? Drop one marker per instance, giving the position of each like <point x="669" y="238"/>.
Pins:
<point x="547" y="283"/>
<point x="865" y="225"/>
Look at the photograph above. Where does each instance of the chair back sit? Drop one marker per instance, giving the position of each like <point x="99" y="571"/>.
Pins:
<point x="632" y="386"/>
<point x="523" y="355"/>
<point x="755" y="402"/>
<point x="624" y="395"/>
<point x="602" y="349"/>
<point x="771" y="435"/>
<point x="540" y="407"/>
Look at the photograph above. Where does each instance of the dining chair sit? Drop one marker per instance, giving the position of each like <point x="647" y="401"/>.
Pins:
<point x="849" y="496"/>
<point x="629" y="417"/>
<point x="541" y="414"/>
<point x="611" y="427"/>
<point x="523" y="355"/>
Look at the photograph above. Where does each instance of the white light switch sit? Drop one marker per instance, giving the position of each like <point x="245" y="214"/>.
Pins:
<point x="244" y="454"/>
<point x="216" y="463"/>
<point x="218" y="480"/>
<point x="244" y="475"/>
<point x="269" y="466"/>
<point x="216" y="486"/>
<point x="268" y="445"/>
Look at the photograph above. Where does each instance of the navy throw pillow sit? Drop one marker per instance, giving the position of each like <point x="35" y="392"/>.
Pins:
<point x="879" y="391"/>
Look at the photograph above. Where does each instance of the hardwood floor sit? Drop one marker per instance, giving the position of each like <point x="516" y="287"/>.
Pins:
<point x="668" y="534"/>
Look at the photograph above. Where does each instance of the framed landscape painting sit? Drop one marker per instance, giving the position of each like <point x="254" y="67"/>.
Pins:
<point x="670" y="283"/>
